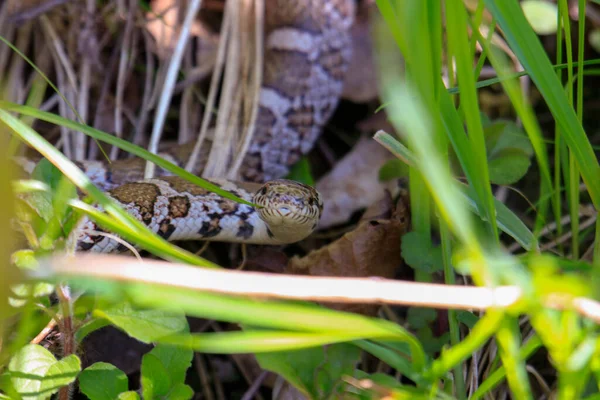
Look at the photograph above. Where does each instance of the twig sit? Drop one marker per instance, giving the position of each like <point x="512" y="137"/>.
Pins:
<point x="253" y="390"/>
<point x="125" y="60"/>
<point x="585" y="224"/>
<point x="67" y="332"/>
<point x="212" y="92"/>
<point x="44" y="332"/>
<point x="169" y="84"/>
<point x="259" y="10"/>
<point x="30" y="13"/>
<point x="201" y="370"/>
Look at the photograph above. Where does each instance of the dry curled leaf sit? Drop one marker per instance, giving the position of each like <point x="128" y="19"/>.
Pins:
<point x="372" y="249"/>
<point x="354" y="182"/>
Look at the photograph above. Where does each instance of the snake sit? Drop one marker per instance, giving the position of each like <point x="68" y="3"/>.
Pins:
<point x="177" y="209"/>
<point x="307" y="52"/>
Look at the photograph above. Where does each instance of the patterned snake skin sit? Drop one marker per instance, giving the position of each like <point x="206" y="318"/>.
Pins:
<point x="307" y="52"/>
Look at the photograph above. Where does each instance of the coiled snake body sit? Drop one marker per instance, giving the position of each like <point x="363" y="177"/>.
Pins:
<point x="307" y="52"/>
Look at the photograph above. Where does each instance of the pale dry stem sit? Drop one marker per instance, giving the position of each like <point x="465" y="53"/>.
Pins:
<point x="373" y="290"/>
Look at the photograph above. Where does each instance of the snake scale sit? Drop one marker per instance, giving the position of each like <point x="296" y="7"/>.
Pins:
<point x="307" y="52"/>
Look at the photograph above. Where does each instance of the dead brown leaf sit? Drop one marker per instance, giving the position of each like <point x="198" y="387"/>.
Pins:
<point x="372" y="249"/>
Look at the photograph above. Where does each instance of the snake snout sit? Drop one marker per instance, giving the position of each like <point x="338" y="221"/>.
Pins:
<point x="290" y="209"/>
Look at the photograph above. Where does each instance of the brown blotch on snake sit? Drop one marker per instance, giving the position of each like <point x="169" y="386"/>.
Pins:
<point x="182" y="185"/>
<point x="142" y="194"/>
<point x="179" y="206"/>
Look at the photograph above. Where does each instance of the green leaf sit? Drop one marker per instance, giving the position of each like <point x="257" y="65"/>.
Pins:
<point x="35" y="290"/>
<point x="130" y="395"/>
<point x="432" y="344"/>
<point x="393" y="169"/>
<point x="467" y="318"/>
<point x="394" y="354"/>
<point x="39" y="202"/>
<point x="144" y="325"/>
<point x="43" y="201"/>
<point x="25" y="259"/>
<point x="25" y="290"/>
<point x="509" y="152"/>
<point x="7" y="390"/>
<point x="61" y="373"/>
<point x="300" y="172"/>
<point x="508" y="167"/>
<point x="379" y="383"/>
<point x="317" y="372"/>
<point x="419" y="253"/>
<point x="594" y="39"/>
<point x="175" y="359"/>
<point x="508" y="221"/>
<point x="35" y="373"/>
<point x="155" y="377"/>
<point x="419" y="317"/>
<point x="541" y="15"/>
<point x="181" y="392"/>
<point x="90" y="326"/>
<point x="102" y="381"/>
<point x="506" y="135"/>
<point x="46" y="172"/>
<point x="420" y="320"/>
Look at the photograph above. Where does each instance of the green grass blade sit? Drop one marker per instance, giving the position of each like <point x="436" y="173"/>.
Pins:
<point x="499" y="374"/>
<point x="393" y="358"/>
<point x="458" y="41"/>
<point x="122" y="144"/>
<point x="514" y="75"/>
<point x="290" y="316"/>
<point x="453" y="322"/>
<point x="532" y="128"/>
<point x="526" y="45"/>
<point x="143" y="240"/>
<point x="248" y="341"/>
<point x="485" y="328"/>
<point x="508" y="338"/>
<point x="39" y="71"/>
<point x="409" y="116"/>
<point x="507" y="221"/>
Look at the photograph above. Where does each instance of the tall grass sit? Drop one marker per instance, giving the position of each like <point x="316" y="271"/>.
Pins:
<point x="427" y="117"/>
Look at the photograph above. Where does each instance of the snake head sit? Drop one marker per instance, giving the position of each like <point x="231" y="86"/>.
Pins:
<point x="290" y="209"/>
